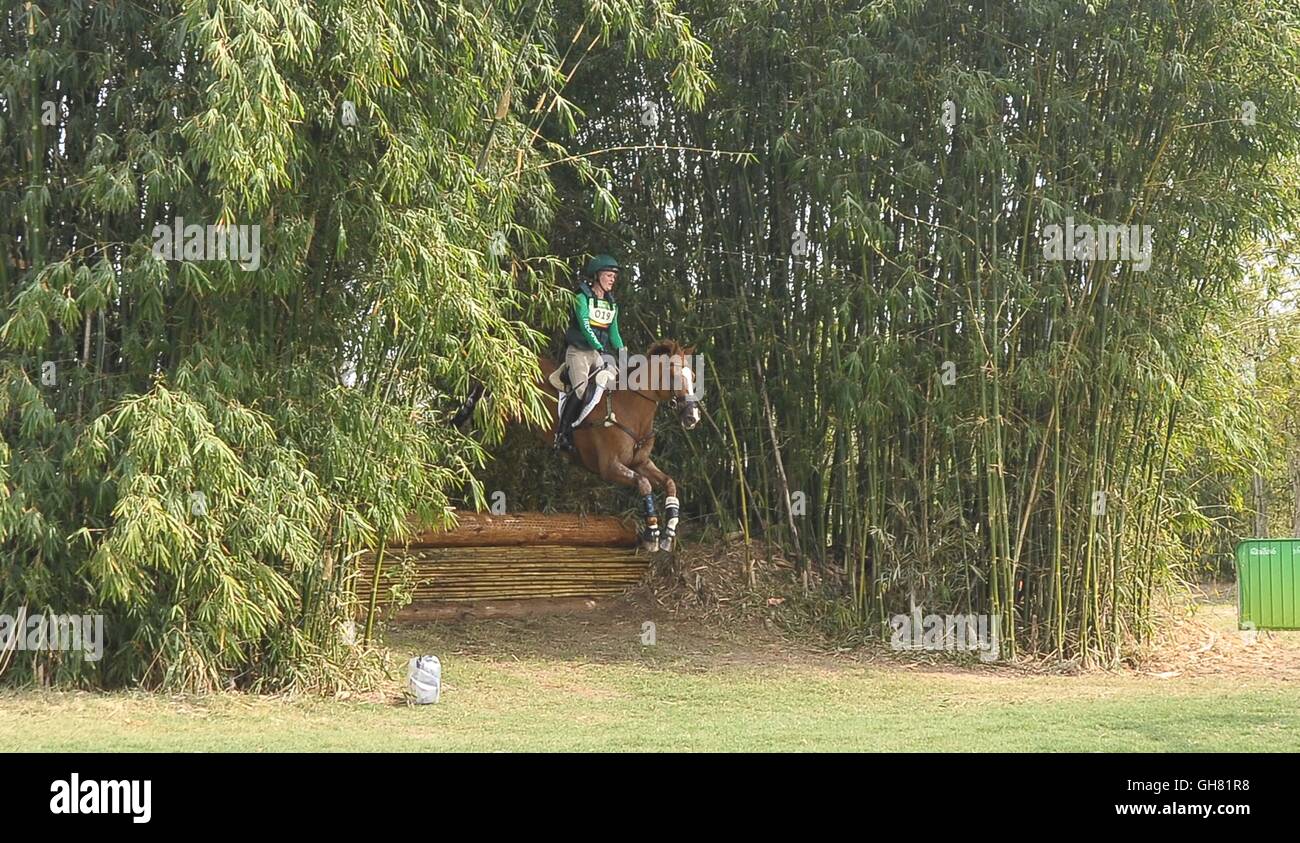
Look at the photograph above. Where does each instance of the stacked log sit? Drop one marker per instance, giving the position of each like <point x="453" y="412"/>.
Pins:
<point x="481" y="529"/>
<point x="524" y="556"/>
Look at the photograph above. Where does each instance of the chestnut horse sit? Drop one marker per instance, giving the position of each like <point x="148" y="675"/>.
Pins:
<point x="616" y="438"/>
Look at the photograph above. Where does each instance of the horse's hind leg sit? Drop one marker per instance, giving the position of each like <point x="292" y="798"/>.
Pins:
<point x="671" y="503"/>
<point x="616" y="472"/>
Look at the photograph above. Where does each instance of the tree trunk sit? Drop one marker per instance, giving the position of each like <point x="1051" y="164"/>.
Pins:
<point x="1295" y="494"/>
<point x="1261" y="508"/>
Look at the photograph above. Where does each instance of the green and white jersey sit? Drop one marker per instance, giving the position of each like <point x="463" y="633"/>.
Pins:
<point x="594" y="321"/>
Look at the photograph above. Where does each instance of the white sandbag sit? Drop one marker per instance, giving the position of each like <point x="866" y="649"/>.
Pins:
<point x="424" y="677"/>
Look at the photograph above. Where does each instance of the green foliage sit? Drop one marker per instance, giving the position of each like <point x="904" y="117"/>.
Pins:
<point x="218" y="443"/>
<point x="843" y="203"/>
<point x="870" y="245"/>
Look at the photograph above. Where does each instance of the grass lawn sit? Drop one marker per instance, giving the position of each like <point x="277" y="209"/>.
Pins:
<point x="585" y="683"/>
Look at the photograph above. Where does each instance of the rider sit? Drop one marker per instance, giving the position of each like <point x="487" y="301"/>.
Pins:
<point x="593" y="331"/>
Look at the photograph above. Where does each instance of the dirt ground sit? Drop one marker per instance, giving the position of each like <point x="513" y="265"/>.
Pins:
<point x="1198" y="636"/>
<point x="716" y="615"/>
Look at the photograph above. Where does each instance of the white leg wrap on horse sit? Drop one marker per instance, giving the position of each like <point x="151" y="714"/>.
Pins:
<point x="597" y="391"/>
<point x="671" y="505"/>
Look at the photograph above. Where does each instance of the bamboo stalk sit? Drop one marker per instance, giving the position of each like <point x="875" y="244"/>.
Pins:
<point x="374" y="589"/>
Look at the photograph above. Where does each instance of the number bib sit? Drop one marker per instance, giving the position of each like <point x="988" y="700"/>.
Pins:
<point x="601" y="313"/>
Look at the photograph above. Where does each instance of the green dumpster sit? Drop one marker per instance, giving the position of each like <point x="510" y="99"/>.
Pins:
<point x="1268" y="584"/>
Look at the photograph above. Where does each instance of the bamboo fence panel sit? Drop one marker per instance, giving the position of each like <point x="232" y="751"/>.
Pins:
<point x="523" y="556"/>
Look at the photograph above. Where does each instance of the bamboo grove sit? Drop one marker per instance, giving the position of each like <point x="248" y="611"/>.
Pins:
<point x="972" y="425"/>
<point x="198" y="450"/>
<point x="843" y="204"/>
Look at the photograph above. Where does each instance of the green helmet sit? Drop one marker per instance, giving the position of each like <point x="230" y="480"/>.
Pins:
<point x="600" y="262"/>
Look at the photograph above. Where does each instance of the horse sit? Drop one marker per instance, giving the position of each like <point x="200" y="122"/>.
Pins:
<point x="615" y="440"/>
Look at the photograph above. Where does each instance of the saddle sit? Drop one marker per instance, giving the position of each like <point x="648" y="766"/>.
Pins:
<point x="560" y="380"/>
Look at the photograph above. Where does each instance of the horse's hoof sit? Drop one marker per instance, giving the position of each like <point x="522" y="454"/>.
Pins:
<point x="666" y="545"/>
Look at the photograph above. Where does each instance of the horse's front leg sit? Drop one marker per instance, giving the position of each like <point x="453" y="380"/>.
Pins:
<point x="615" y="472"/>
<point x="671" y="504"/>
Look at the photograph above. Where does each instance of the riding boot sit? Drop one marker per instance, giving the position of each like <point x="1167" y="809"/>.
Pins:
<point x="562" y="402"/>
<point x="564" y="431"/>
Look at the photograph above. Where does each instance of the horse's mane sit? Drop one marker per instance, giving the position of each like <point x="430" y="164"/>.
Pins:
<point x="665" y="347"/>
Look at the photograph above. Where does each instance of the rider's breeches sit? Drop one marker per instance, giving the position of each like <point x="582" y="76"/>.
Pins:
<point x="583" y="366"/>
<point x="582" y="363"/>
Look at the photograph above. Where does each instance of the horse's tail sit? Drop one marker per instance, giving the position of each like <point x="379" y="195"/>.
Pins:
<point x="466" y="410"/>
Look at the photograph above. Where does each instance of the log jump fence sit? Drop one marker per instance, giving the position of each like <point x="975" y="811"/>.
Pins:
<point x="491" y="563"/>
